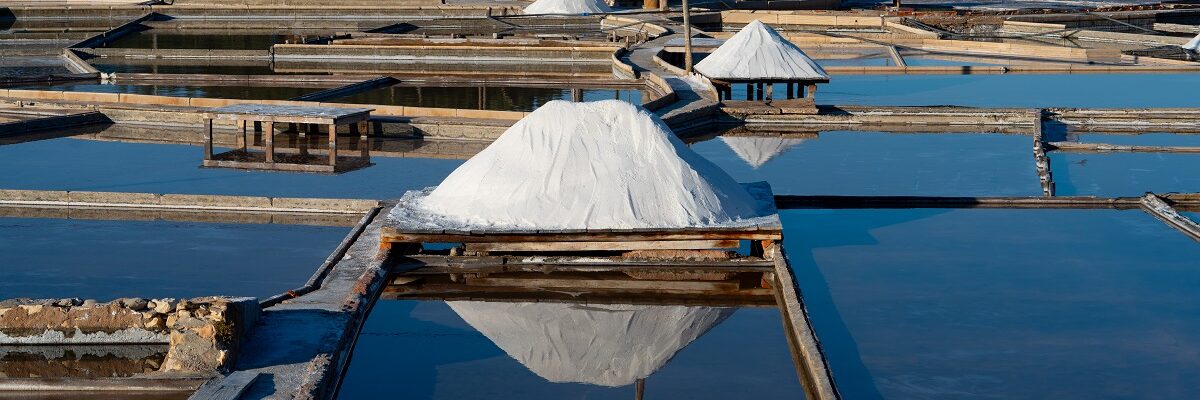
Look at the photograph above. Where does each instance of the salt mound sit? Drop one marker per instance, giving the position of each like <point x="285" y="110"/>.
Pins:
<point x="1193" y="45"/>
<point x="568" y="7"/>
<point x="756" y="151"/>
<point x="607" y="345"/>
<point x="758" y="52"/>
<point x="598" y="165"/>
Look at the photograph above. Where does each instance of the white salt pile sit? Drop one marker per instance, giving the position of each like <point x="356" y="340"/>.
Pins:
<point x="568" y="7"/>
<point x="607" y="345"/>
<point x="1193" y="45"/>
<point x="598" y="165"/>
<point x="756" y="151"/>
<point x="758" y="52"/>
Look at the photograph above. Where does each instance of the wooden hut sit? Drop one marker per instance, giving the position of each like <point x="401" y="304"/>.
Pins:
<point x="759" y="57"/>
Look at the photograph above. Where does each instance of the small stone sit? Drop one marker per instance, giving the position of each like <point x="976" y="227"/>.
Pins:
<point x="183" y="305"/>
<point x="89" y="303"/>
<point x="171" y="320"/>
<point x="164" y="306"/>
<point x="135" y="304"/>
<point x="156" y="323"/>
<point x="68" y="302"/>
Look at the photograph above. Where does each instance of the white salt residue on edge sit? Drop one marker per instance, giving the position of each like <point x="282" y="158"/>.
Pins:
<point x="607" y="345"/>
<point x="757" y="150"/>
<point x="597" y="165"/>
<point x="568" y="7"/>
<point x="1193" y="45"/>
<point x="758" y="52"/>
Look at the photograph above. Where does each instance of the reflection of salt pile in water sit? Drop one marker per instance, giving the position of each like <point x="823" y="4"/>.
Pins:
<point x="758" y="52"/>
<point x="1193" y="45"/>
<point x="608" y="345"/>
<point x="757" y="150"/>
<point x="568" y="7"/>
<point x="598" y="165"/>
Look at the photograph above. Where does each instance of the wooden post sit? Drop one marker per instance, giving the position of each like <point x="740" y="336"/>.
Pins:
<point x="687" y="39"/>
<point x="749" y="91"/>
<point x="577" y="95"/>
<point x="759" y="91"/>
<point x="649" y="4"/>
<point x="242" y="138"/>
<point x="812" y="92"/>
<point x="208" y="142"/>
<point x="770" y="91"/>
<point x="332" y="144"/>
<point x="364" y="143"/>
<point x="269" y="141"/>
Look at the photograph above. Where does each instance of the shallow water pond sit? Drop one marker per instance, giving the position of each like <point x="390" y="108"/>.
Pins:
<point x="156" y="67"/>
<point x="1016" y="90"/>
<point x="1144" y="139"/>
<point x="107" y="259"/>
<point x="217" y="40"/>
<point x="914" y="304"/>
<point x="477" y="350"/>
<point x="876" y="163"/>
<point x="1124" y="174"/>
<point x="78" y="164"/>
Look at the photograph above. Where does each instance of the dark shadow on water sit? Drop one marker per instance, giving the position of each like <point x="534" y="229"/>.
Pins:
<point x="850" y="373"/>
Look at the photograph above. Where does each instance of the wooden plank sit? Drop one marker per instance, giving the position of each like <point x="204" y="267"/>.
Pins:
<point x="607" y="245"/>
<point x="229" y="387"/>
<point x="813" y="367"/>
<point x="1106" y="148"/>
<point x="611" y="284"/>
<point x="1155" y="206"/>
<point x="391" y="234"/>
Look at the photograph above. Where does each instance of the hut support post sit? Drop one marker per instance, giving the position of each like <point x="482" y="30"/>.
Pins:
<point x="791" y="91"/>
<point x="269" y="141"/>
<point x="332" y="144"/>
<point x="208" y="142"/>
<point x="770" y="93"/>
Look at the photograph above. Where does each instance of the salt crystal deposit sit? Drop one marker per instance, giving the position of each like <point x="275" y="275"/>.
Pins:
<point x="607" y="345"/>
<point x="568" y="7"/>
<point x="758" y="52"/>
<point x="1193" y="45"/>
<point x="756" y="151"/>
<point x="598" y="165"/>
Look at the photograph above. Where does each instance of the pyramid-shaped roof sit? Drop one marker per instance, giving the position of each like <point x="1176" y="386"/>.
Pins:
<point x="1194" y="44"/>
<point x="758" y="52"/>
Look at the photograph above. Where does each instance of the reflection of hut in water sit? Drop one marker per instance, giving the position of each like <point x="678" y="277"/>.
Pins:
<point x="759" y="57"/>
<point x="757" y="150"/>
<point x="1192" y="47"/>
<point x="606" y="345"/>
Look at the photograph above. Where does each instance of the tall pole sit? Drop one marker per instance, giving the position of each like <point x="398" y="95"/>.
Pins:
<point x="687" y="39"/>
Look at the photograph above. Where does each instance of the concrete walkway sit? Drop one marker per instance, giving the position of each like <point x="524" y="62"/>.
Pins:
<point x="692" y="108"/>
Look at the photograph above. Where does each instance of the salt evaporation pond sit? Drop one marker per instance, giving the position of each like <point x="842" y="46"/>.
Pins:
<point x="1124" y="174"/>
<point x="493" y="97"/>
<point x="77" y="164"/>
<point x="219" y="92"/>
<point x="1000" y="303"/>
<point x="444" y="357"/>
<point x="159" y="66"/>
<point x="1144" y="139"/>
<point x="202" y="39"/>
<point x="877" y="163"/>
<point x="104" y="259"/>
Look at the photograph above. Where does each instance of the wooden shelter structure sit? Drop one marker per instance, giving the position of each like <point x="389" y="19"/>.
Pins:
<point x="263" y="118"/>
<point x="760" y="58"/>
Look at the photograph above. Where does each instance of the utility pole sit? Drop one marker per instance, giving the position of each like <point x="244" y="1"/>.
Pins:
<point x="687" y="39"/>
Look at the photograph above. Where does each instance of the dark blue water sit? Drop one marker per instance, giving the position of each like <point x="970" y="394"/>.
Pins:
<point x="57" y="258"/>
<point x="1124" y="174"/>
<point x="220" y="92"/>
<point x="75" y="164"/>
<point x="934" y="304"/>
<point x="494" y="98"/>
<point x="1145" y="139"/>
<point x="429" y="351"/>
<point x="874" y="163"/>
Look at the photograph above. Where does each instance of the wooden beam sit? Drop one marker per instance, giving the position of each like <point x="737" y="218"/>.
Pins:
<point x="332" y="145"/>
<point x="391" y="234"/>
<point x="1155" y="206"/>
<point x="208" y="142"/>
<point x="269" y="141"/>
<point x="609" y="284"/>
<point x="606" y="245"/>
<point x="802" y="339"/>
<point x="1107" y="148"/>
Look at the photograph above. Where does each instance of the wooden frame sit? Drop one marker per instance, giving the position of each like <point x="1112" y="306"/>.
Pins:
<point x="266" y="116"/>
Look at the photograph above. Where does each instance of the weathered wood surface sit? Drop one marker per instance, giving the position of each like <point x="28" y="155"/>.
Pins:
<point x="230" y="387"/>
<point x="1106" y="148"/>
<point x="392" y="235"/>
<point x="812" y="367"/>
<point x="1155" y="206"/>
<point x="603" y="245"/>
<point x="438" y="264"/>
<point x="290" y="113"/>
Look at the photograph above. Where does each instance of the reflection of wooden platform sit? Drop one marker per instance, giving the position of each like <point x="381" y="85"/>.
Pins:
<point x="244" y="115"/>
<point x="594" y="280"/>
<point x="412" y="228"/>
<point x="245" y="159"/>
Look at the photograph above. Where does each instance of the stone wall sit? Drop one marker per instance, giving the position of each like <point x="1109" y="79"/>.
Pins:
<point x="204" y="334"/>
